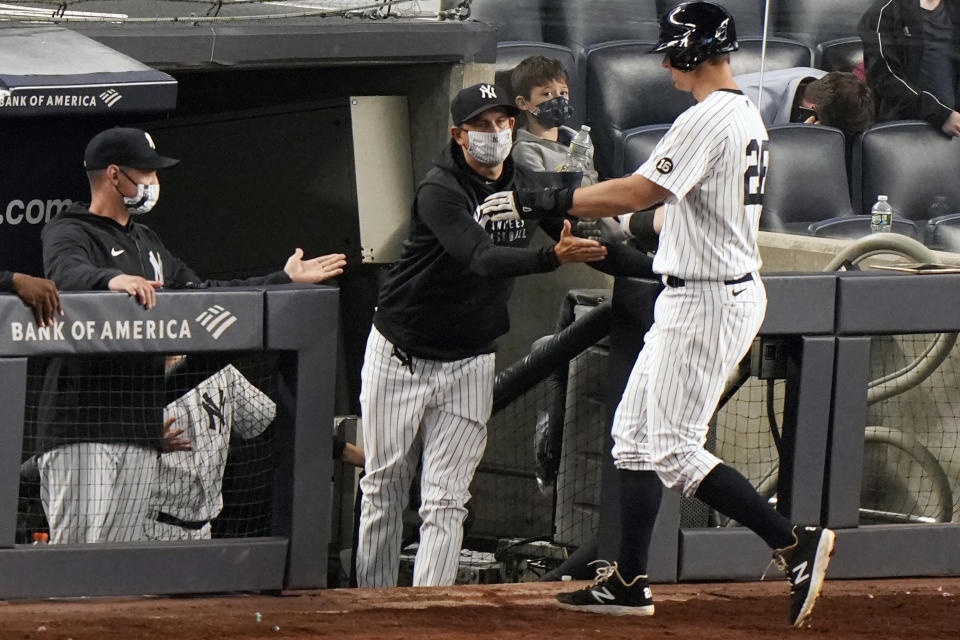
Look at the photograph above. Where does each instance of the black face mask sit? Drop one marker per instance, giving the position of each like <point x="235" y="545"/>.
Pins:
<point x="553" y="113"/>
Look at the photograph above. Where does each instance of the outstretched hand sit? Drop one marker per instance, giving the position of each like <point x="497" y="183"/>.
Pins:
<point x="40" y="295"/>
<point x="316" y="269"/>
<point x="574" y="249"/>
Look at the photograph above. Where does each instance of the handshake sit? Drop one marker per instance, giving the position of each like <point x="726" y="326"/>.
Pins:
<point x="513" y="205"/>
<point x="550" y="203"/>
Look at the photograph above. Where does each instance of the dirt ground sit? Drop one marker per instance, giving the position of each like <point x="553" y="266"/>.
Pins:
<point x="925" y="609"/>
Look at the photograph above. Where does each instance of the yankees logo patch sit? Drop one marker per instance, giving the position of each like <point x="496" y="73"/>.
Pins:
<point x="664" y="165"/>
<point x="488" y="91"/>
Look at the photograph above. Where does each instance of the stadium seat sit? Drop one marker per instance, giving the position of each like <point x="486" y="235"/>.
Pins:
<point x="626" y="88"/>
<point x="911" y="162"/>
<point x="639" y="143"/>
<point x="782" y="53"/>
<point x="943" y="233"/>
<point x="747" y="14"/>
<point x="509" y="54"/>
<point x="842" y="54"/>
<point x="858" y="226"/>
<point x="814" y="21"/>
<point x="513" y="19"/>
<point x="802" y="156"/>
<point x="581" y="23"/>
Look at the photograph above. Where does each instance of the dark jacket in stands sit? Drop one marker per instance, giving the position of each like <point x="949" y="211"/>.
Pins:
<point x="892" y="34"/>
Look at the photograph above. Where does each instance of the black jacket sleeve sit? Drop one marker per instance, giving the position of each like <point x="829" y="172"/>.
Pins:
<point x="448" y="215"/>
<point x="71" y="260"/>
<point x="6" y="280"/>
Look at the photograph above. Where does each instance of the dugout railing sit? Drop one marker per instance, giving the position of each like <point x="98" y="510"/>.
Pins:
<point x="298" y="325"/>
<point x="877" y="312"/>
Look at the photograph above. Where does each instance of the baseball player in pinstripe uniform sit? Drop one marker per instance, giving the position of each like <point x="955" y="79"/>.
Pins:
<point x="188" y="495"/>
<point x="427" y="376"/>
<point x="709" y="169"/>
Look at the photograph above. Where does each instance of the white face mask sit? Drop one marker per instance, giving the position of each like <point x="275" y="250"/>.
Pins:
<point x="145" y="200"/>
<point x="489" y="149"/>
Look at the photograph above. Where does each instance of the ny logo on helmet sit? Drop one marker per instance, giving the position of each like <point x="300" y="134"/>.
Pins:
<point x="488" y="91"/>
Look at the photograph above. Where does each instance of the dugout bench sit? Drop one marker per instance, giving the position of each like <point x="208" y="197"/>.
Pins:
<point x="299" y="324"/>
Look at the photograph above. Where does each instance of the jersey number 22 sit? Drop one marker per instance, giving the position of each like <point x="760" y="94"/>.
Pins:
<point x="756" y="174"/>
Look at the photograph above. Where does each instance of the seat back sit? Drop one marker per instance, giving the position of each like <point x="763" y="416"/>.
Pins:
<point x="583" y="23"/>
<point x="911" y="162"/>
<point x="513" y="19"/>
<point x="639" y="143"/>
<point x="782" y="53"/>
<point x="842" y="54"/>
<point x="747" y="14"/>
<point x="626" y="88"/>
<point x="814" y="21"/>
<point x="510" y="54"/>
<point x="806" y="177"/>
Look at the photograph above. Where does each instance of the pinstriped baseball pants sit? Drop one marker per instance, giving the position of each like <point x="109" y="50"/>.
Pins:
<point x="440" y="409"/>
<point x="97" y="492"/>
<point x="700" y="332"/>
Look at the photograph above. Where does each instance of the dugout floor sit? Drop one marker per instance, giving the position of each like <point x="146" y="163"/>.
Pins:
<point x="905" y="609"/>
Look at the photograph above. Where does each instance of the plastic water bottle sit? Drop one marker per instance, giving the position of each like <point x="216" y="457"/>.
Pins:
<point x="581" y="147"/>
<point x="881" y="216"/>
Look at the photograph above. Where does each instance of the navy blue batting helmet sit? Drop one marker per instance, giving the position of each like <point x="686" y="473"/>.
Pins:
<point x="691" y="32"/>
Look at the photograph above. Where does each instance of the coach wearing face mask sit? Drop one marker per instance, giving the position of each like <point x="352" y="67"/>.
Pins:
<point x="98" y="440"/>
<point x="428" y="371"/>
<point x="104" y="246"/>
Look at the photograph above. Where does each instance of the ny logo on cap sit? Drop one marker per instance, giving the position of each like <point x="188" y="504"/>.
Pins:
<point x="149" y="140"/>
<point x="488" y="91"/>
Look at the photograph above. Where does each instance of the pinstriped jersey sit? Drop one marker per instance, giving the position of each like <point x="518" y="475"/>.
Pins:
<point x="713" y="161"/>
<point x="189" y="482"/>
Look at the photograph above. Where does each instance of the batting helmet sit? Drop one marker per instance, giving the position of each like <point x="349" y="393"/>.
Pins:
<point x="691" y="32"/>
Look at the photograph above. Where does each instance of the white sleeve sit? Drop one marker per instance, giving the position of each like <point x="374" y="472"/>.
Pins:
<point x="681" y="159"/>
<point x="253" y="410"/>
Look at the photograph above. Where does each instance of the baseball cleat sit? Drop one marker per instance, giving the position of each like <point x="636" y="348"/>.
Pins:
<point x="611" y="594"/>
<point x="805" y="563"/>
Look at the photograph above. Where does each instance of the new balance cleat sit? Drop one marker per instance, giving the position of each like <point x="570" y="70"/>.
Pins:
<point x="611" y="594"/>
<point x="805" y="563"/>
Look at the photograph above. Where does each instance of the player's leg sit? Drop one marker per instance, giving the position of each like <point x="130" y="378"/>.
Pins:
<point x="454" y="438"/>
<point x="136" y="478"/>
<point x="76" y="489"/>
<point x="622" y="588"/>
<point x="640" y="488"/>
<point x="392" y="401"/>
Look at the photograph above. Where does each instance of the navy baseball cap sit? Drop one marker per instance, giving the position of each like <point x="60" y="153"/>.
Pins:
<point x="126" y="147"/>
<point x="477" y="99"/>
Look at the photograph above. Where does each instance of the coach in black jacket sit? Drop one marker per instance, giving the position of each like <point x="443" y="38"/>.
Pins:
<point x="99" y="437"/>
<point x="911" y="51"/>
<point x="428" y="371"/>
<point x="103" y="247"/>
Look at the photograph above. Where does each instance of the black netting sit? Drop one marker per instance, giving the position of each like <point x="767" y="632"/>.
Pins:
<point x="911" y="458"/>
<point x="104" y="459"/>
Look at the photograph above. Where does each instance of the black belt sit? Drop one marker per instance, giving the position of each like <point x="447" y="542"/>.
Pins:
<point x="166" y="518"/>
<point x="674" y="281"/>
